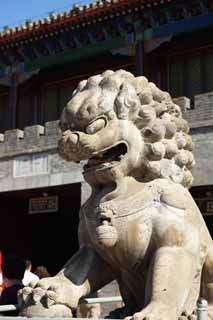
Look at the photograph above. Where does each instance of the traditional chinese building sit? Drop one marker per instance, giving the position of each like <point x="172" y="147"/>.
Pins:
<point x="41" y="62"/>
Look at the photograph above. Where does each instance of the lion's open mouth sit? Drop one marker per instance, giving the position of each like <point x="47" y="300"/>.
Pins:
<point x="107" y="157"/>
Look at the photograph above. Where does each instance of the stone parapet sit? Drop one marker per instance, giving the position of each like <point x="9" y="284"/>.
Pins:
<point x="39" y="138"/>
<point x="200" y="119"/>
<point x="29" y="159"/>
<point x="202" y="110"/>
<point x="183" y="102"/>
<point x="204" y="100"/>
<point x="33" y="139"/>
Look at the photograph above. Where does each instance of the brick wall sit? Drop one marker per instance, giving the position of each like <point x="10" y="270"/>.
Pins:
<point x="202" y="109"/>
<point x="200" y="119"/>
<point x="33" y="139"/>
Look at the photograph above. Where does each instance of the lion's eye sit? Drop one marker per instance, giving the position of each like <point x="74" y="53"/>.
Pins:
<point x="96" y="126"/>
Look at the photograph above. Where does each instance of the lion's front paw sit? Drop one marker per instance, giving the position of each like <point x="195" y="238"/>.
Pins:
<point x="155" y="311"/>
<point x="53" y="297"/>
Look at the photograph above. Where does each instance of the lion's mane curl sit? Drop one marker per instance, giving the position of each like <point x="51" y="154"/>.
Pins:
<point x="168" y="147"/>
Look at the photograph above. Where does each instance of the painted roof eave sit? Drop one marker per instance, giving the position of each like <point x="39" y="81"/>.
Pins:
<point x="79" y="15"/>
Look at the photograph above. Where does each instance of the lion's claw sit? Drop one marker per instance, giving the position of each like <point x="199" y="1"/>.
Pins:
<point x="24" y="295"/>
<point x="37" y="294"/>
<point x="50" y="298"/>
<point x="33" y="283"/>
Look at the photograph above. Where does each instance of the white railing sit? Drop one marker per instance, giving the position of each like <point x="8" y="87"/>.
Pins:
<point x="202" y="306"/>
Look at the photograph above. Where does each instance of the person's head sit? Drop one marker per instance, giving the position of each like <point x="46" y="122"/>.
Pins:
<point x="13" y="269"/>
<point x="28" y="265"/>
<point x="42" y="272"/>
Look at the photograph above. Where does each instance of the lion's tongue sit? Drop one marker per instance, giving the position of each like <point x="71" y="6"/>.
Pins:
<point x="108" y="156"/>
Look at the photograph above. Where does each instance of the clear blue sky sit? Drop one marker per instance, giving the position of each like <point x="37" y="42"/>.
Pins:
<point x="15" y="12"/>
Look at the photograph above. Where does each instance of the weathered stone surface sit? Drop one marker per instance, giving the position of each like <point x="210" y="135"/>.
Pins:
<point x="140" y="226"/>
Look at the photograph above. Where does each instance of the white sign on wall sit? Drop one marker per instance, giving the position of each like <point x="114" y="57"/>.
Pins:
<point x="209" y="207"/>
<point x="29" y="165"/>
<point x="43" y="204"/>
<point x="205" y="205"/>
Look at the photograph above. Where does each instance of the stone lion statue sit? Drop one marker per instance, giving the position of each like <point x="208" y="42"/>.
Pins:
<point x="140" y="225"/>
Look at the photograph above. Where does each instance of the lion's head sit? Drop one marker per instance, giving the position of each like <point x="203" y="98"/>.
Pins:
<point x="125" y="126"/>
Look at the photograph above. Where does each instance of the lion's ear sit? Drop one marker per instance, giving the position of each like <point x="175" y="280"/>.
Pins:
<point x="126" y="101"/>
